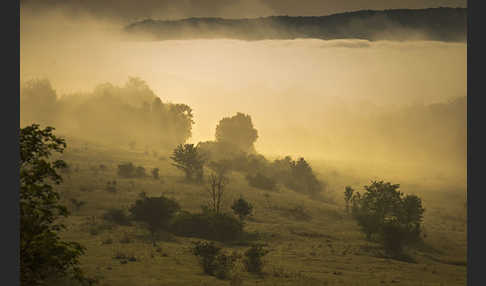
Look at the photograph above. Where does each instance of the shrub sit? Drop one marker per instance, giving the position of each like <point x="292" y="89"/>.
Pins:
<point x="213" y="261"/>
<point x="211" y="226"/>
<point x="116" y="216"/>
<point x="128" y="170"/>
<point x="254" y="258"/>
<point x="261" y="181"/>
<point x="242" y="208"/>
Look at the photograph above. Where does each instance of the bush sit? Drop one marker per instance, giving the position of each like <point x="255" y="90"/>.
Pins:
<point x="242" y="208"/>
<point x="261" y="181"/>
<point x="213" y="261"/>
<point x="254" y="258"/>
<point x="219" y="227"/>
<point x="116" y="216"/>
<point x="128" y="170"/>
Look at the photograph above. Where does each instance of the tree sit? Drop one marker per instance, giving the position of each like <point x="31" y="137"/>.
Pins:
<point x="348" y="194"/>
<point x="187" y="158"/>
<point x="155" y="213"/>
<point x="242" y="208"/>
<point x="302" y="178"/>
<point x="217" y="185"/>
<point x="237" y="130"/>
<point x="43" y="255"/>
<point x="384" y="211"/>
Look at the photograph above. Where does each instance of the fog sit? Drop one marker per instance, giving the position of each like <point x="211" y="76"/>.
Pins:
<point x="341" y="100"/>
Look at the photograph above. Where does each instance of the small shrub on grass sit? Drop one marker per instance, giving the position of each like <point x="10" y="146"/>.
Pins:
<point x="242" y="208"/>
<point x="214" y="262"/>
<point x="116" y="216"/>
<point x="254" y="259"/>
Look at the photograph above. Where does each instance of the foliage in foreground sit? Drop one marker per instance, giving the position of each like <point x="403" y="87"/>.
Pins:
<point x="43" y="255"/>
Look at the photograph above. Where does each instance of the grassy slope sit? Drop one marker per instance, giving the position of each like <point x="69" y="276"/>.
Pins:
<point x="329" y="249"/>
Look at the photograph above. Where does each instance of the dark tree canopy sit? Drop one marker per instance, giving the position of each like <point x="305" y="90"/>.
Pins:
<point x="43" y="255"/>
<point x="237" y="130"/>
<point x="154" y="212"/>
<point x="384" y="211"/>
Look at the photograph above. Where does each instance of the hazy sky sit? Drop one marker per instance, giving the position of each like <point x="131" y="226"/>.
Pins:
<point x="128" y="10"/>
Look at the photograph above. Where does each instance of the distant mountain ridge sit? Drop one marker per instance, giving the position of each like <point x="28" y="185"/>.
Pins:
<point x="439" y="24"/>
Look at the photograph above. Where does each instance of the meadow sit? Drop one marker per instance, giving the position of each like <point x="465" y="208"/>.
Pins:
<point x="322" y="247"/>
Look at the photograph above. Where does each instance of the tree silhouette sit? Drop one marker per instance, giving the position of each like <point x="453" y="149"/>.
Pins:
<point x="237" y="130"/>
<point x="188" y="158"/>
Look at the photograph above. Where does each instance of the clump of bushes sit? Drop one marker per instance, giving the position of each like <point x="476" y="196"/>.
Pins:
<point x="261" y="181"/>
<point x="254" y="258"/>
<point x="242" y="208"/>
<point x="213" y="261"/>
<point x="385" y="213"/>
<point x="116" y="216"/>
<point x="208" y="225"/>
<point x="128" y="170"/>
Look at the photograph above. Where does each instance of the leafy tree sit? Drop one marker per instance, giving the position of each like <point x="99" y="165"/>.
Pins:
<point x="242" y="208"/>
<point x="384" y="211"/>
<point x="237" y="130"/>
<point x="348" y="194"/>
<point x="155" y="213"/>
<point x="43" y="255"/>
<point x="297" y="175"/>
<point x="187" y="158"/>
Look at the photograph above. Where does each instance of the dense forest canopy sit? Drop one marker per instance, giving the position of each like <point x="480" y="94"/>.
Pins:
<point x="441" y="24"/>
